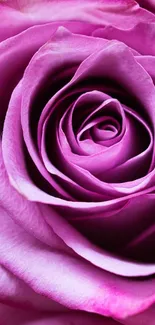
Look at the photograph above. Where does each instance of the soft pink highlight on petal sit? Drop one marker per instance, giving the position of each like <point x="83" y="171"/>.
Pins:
<point x="24" y="14"/>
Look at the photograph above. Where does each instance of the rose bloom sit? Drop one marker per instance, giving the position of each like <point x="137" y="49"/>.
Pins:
<point x="77" y="162"/>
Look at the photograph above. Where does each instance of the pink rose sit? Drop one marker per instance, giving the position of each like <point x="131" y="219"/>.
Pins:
<point x="77" y="168"/>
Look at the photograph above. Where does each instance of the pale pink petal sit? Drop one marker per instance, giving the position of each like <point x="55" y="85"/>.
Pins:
<point x="15" y="292"/>
<point x="23" y="14"/>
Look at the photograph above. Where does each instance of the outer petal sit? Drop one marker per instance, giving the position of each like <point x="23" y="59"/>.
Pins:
<point x="31" y="40"/>
<point x="140" y="37"/>
<point x="69" y="280"/>
<point x="148" y="62"/>
<point x="26" y="213"/>
<point x="16" y="293"/>
<point x="23" y="14"/>
<point x="13" y="316"/>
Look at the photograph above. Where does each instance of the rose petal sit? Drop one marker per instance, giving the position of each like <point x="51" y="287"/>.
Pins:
<point x="148" y="63"/>
<point x="16" y="293"/>
<point x="135" y="37"/>
<point x="115" y="233"/>
<point x="13" y="316"/>
<point x="24" y="14"/>
<point x="12" y="69"/>
<point x="109" y="228"/>
<point x="55" y="275"/>
<point x="26" y="213"/>
<point x="15" y="243"/>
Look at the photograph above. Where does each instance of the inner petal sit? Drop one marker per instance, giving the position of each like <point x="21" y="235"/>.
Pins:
<point x="93" y="136"/>
<point x="104" y="130"/>
<point x="72" y="120"/>
<point x="139" y="164"/>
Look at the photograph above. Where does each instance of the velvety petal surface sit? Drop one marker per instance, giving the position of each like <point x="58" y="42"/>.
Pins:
<point x="97" y="291"/>
<point x="24" y="14"/>
<point x="31" y="39"/>
<point x="141" y="91"/>
<point x="76" y="212"/>
<point x="14" y="292"/>
<point x="14" y="316"/>
<point x="17" y="170"/>
<point x="139" y="37"/>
